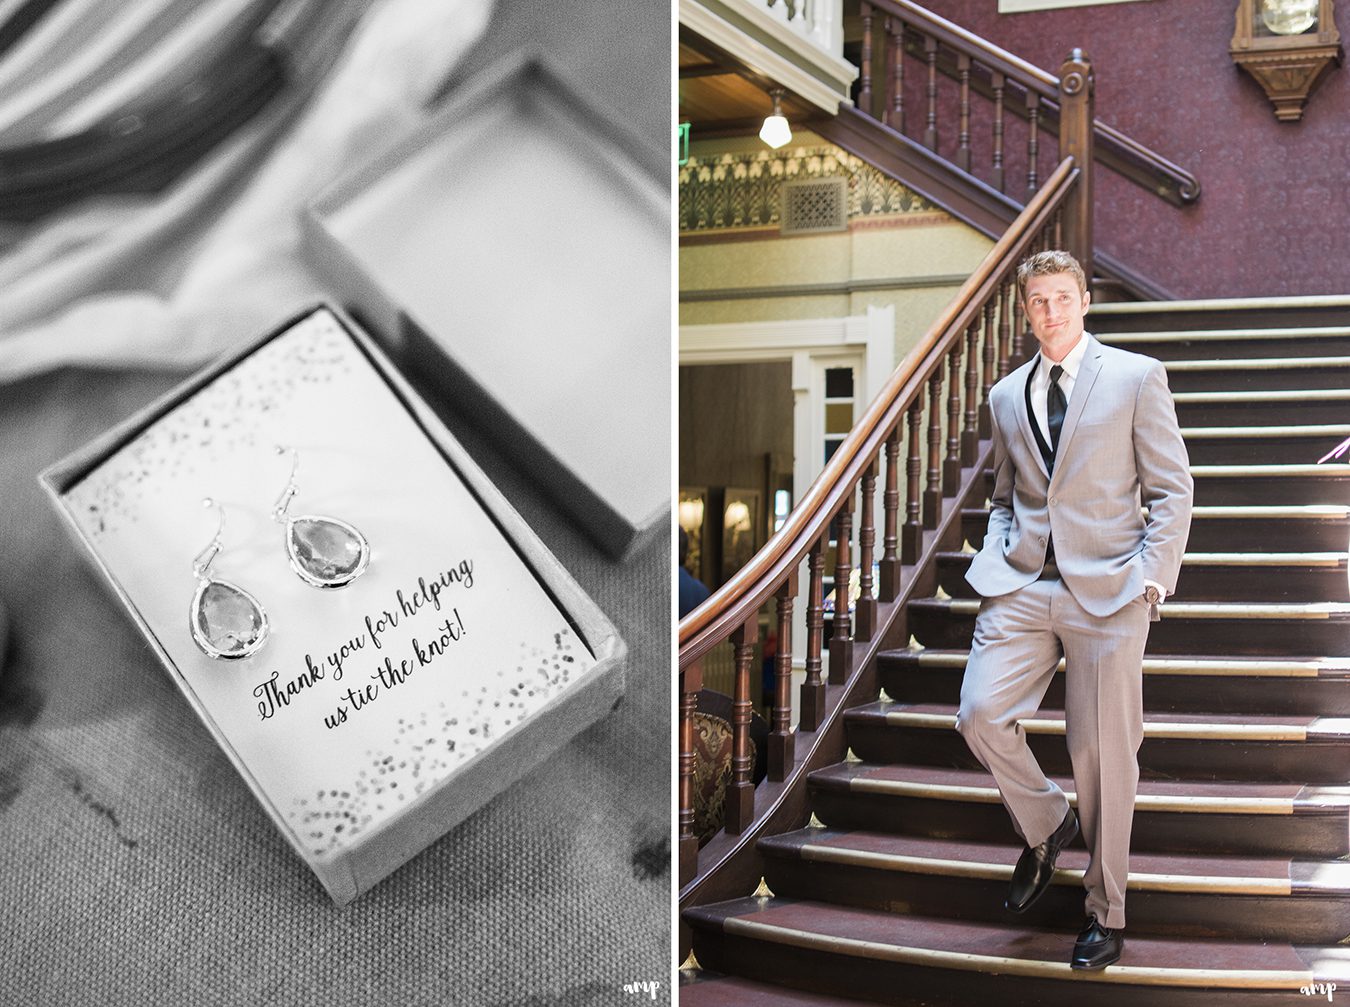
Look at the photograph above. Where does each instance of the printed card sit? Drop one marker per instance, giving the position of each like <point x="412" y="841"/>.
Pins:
<point x="359" y="698"/>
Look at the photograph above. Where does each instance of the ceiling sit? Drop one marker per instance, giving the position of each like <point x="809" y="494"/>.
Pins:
<point x="722" y="99"/>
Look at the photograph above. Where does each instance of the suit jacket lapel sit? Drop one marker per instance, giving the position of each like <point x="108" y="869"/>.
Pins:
<point x="1082" y="388"/>
<point x="1024" y="419"/>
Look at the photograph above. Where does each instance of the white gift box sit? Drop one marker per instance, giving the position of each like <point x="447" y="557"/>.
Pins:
<point x="515" y="252"/>
<point x="377" y="716"/>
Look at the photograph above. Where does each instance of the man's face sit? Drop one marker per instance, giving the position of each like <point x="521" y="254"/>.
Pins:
<point x="1055" y="308"/>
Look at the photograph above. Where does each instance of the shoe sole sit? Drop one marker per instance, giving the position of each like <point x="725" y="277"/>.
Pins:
<point x="1046" y="887"/>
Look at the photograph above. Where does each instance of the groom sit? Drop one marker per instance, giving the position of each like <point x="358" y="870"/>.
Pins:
<point x="1083" y="435"/>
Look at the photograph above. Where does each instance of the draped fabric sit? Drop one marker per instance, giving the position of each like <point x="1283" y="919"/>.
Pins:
<point x="170" y="278"/>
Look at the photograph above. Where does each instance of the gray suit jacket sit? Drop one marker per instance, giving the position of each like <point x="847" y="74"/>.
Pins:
<point x="1120" y="446"/>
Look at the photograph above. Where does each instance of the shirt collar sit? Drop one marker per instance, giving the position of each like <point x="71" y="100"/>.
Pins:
<point x="1073" y="360"/>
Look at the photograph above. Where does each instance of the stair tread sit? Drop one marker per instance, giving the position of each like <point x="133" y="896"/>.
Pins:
<point x="1049" y="720"/>
<point x="1283" y="668"/>
<point x="1321" y="610"/>
<point x="1018" y="949"/>
<point x="1219" y="558"/>
<point x="1217" y="335"/>
<point x="1308" y="512"/>
<point x="1255" y="363"/>
<point x="1262" y="433"/>
<point x="1258" y="796"/>
<point x="1272" y="395"/>
<point x="896" y="851"/>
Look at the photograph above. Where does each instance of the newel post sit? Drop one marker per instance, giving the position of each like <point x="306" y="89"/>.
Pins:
<point x="1075" y="138"/>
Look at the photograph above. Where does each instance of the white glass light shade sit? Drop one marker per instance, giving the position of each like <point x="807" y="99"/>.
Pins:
<point x="775" y="131"/>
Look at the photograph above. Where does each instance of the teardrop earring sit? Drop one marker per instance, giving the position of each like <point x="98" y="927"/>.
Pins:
<point x="324" y="551"/>
<point x="227" y="622"/>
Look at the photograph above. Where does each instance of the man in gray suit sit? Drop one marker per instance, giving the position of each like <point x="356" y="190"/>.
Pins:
<point x="1083" y="435"/>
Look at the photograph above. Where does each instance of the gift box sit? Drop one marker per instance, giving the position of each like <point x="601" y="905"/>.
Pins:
<point x="515" y="253"/>
<point x="364" y="624"/>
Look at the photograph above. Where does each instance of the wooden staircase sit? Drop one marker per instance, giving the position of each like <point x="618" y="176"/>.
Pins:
<point x="1240" y="869"/>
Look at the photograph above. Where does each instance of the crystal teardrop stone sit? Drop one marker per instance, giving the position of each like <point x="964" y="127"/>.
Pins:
<point x="325" y="551"/>
<point x="227" y="621"/>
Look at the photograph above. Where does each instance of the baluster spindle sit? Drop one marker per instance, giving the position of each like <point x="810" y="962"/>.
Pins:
<point x="1057" y="223"/>
<point x="911" y="536"/>
<point x="740" y="800"/>
<point x="895" y="116"/>
<point x="865" y="87"/>
<point x="1033" y="140"/>
<point x="865" y="619"/>
<point x="691" y="681"/>
<point x="990" y="358"/>
<point x="951" y="465"/>
<point x="970" y="432"/>
<point x="997" y="81"/>
<point x="780" y="739"/>
<point x="1006" y="296"/>
<point x="841" y="640"/>
<point x="1019" y="331"/>
<point x="932" y="494"/>
<point x="963" y="138"/>
<point x="813" y="689"/>
<point x="930" y="133"/>
<point x="889" y="567"/>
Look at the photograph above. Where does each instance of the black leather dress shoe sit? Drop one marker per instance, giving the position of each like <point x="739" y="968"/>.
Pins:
<point x="1097" y="947"/>
<point x="1036" y="866"/>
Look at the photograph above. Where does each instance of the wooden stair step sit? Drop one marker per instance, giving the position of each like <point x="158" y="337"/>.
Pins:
<point x="809" y="944"/>
<point x="1233" y="342"/>
<point x="1244" y="817"/>
<point x="1204" y="745"/>
<point x="1220" y="684"/>
<point x="1317" y="629"/>
<point x="1294" y="483"/>
<point x="1247" y="445"/>
<point x="1226" y="576"/>
<point x="1287" y="407"/>
<point x="704" y="988"/>
<point x="1206" y="314"/>
<point x="1219" y="528"/>
<point x="1255" y="373"/>
<point x="1264" y="898"/>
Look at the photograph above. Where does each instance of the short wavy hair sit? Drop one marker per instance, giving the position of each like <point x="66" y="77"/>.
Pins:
<point x="1046" y="263"/>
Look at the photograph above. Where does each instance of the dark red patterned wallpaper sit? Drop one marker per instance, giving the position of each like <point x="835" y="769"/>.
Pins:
<point x="1274" y="214"/>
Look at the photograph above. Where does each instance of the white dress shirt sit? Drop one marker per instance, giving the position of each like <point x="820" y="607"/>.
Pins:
<point x="1040" y="383"/>
<point x="1040" y="408"/>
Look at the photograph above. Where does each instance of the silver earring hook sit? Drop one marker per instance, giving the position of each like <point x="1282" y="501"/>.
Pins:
<point x="283" y="503"/>
<point x="207" y="556"/>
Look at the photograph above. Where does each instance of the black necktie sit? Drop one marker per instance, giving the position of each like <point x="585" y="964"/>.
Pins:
<point x="1056" y="406"/>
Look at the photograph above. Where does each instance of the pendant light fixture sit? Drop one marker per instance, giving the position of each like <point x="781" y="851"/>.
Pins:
<point x="775" y="131"/>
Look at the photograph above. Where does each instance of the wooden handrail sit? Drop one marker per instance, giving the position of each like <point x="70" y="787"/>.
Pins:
<point x="736" y="600"/>
<point x="1127" y="157"/>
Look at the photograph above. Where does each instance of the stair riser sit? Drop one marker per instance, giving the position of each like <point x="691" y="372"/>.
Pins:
<point x="1308" y="411"/>
<point x="1333" y="488"/>
<point x="900" y="983"/>
<point x="1229" y="349"/>
<point x="1331" y="485"/>
<point x="1216" y="534"/>
<point x="1298" y="835"/>
<point x="1206" y="759"/>
<point x="1171" y="693"/>
<point x="1236" y="317"/>
<point x="1268" y="379"/>
<point x="1214" y="583"/>
<point x="1284" y="918"/>
<point x="1259" y="450"/>
<point x="1234" y="637"/>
